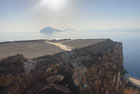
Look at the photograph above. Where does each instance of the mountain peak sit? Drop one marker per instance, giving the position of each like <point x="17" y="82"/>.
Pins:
<point x="49" y="30"/>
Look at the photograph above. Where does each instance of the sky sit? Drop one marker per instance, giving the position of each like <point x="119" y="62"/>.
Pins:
<point x="33" y="15"/>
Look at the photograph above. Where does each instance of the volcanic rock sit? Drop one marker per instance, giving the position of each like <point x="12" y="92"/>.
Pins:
<point x="55" y="78"/>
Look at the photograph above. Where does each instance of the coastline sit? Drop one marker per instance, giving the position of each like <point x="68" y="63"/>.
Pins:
<point x="134" y="81"/>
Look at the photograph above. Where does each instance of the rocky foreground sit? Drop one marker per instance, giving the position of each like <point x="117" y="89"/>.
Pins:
<point x="91" y="67"/>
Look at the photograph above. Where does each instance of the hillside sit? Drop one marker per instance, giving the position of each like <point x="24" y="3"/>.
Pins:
<point x="90" y="67"/>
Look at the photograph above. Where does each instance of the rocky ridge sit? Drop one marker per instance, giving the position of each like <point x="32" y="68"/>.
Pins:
<point x="96" y="69"/>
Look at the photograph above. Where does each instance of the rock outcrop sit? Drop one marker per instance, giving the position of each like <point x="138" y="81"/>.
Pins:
<point x="13" y="75"/>
<point x="96" y="69"/>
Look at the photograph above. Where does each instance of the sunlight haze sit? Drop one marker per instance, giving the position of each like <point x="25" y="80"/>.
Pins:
<point x="33" y="15"/>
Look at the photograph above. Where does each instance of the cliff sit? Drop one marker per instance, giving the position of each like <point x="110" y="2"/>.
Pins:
<point x="94" y="69"/>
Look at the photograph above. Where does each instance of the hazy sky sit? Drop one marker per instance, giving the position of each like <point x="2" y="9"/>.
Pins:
<point x="33" y="15"/>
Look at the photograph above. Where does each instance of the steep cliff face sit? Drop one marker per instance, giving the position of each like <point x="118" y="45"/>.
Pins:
<point x="96" y="69"/>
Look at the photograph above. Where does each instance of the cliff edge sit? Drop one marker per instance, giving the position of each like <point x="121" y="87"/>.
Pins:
<point x="93" y="69"/>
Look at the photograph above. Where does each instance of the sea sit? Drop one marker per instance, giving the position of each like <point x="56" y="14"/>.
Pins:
<point x="130" y="40"/>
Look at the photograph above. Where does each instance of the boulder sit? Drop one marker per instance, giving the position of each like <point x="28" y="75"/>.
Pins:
<point x="55" y="78"/>
<point x="13" y="78"/>
<point x="54" y="89"/>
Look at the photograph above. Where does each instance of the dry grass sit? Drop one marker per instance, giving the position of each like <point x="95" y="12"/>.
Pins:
<point x="131" y="90"/>
<point x="37" y="48"/>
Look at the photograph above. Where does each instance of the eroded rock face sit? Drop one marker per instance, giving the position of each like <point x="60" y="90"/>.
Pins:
<point x="97" y="69"/>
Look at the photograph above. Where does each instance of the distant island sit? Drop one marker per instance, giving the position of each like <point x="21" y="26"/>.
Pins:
<point x="53" y="30"/>
<point x="49" y="30"/>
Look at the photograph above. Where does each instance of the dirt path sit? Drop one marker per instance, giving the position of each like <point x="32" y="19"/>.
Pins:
<point x="60" y="45"/>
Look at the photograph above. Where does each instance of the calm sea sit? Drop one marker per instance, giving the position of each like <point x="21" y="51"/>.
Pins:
<point x="130" y="40"/>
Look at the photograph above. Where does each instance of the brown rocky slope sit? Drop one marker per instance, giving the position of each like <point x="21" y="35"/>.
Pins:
<point x="96" y="69"/>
